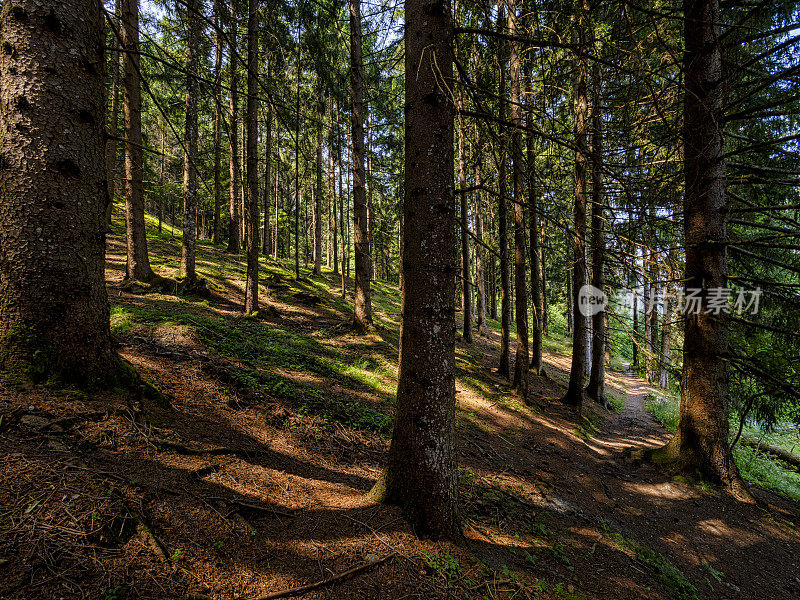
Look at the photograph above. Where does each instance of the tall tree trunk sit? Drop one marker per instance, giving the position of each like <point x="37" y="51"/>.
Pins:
<point x="542" y="256"/>
<point x="597" y="379"/>
<point x="217" y="123"/>
<point x="420" y="474"/>
<point x="522" y="359"/>
<point x="363" y="305"/>
<point x="343" y="199"/>
<point x="701" y="441"/>
<point x="275" y="232"/>
<point x="480" y="274"/>
<point x="297" y="162"/>
<point x="251" y="204"/>
<point x="267" y="247"/>
<point x="318" y="208"/>
<point x="54" y="314"/>
<point x="335" y="198"/>
<point x="533" y="203"/>
<point x="502" y="215"/>
<point x="190" y="158"/>
<point x="462" y="196"/>
<point x="113" y="123"/>
<point x="580" y="357"/>
<point x="233" y="136"/>
<point x="138" y="261"/>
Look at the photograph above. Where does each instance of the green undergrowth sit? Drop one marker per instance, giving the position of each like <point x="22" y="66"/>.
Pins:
<point x="663" y="571"/>
<point x="756" y="467"/>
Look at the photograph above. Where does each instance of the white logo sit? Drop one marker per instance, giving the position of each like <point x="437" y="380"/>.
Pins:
<point x="591" y="300"/>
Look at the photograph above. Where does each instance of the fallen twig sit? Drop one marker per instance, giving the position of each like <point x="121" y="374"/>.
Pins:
<point x="323" y="582"/>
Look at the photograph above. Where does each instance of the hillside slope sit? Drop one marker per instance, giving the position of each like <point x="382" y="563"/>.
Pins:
<point x="245" y="475"/>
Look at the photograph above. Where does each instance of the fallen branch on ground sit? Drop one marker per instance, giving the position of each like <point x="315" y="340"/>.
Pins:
<point x="323" y="582"/>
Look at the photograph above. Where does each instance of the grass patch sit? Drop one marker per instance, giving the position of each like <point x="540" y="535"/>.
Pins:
<point x="755" y="467"/>
<point x="665" y="410"/>
<point x="663" y="571"/>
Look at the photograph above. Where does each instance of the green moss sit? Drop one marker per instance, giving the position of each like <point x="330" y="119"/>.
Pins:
<point x="24" y="352"/>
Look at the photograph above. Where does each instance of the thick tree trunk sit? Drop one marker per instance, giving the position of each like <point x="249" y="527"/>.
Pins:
<point x="233" y="137"/>
<point x="580" y="357"/>
<point x="597" y="379"/>
<point x="533" y="203"/>
<point x="217" y="124"/>
<point x="251" y="203"/>
<point x="522" y="359"/>
<point x="363" y="304"/>
<point x="701" y="441"/>
<point x="420" y="474"/>
<point x="190" y="132"/>
<point x="138" y="262"/>
<point x="54" y="314"/>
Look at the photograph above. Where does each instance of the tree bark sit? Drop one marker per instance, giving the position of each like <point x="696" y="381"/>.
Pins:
<point x="233" y="137"/>
<point x="113" y="123"/>
<point x="480" y="275"/>
<point x="701" y="441"/>
<point x="580" y="358"/>
<point x="502" y="215"/>
<point x="363" y="305"/>
<point x="267" y="247"/>
<point x="251" y="203"/>
<point x="217" y="123"/>
<point x="297" y="162"/>
<point x="597" y="379"/>
<point x="138" y="262"/>
<point x="193" y="8"/>
<point x="335" y="198"/>
<point x="522" y="358"/>
<point x="533" y="203"/>
<point x="420" y="474"/>
<point x="54" y="314"/>
<point x="318" y="209"/>
<point x="465" y="277"/>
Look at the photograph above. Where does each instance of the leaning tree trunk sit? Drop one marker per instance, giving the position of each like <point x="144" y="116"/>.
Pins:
<point x="597" y="379"/>
<point x="190" y="132"/>
<point x="233" y="138"/>
<point x="580" y="357"/>
<point x="138" y="262"/>
<point x="420" y="474"/>
<point x="701" y="441"/>
<point x="520" y="382"/>
<point x="54" y="315"/>
<point x="363" y="305"/>
<point x="251" y="199"/>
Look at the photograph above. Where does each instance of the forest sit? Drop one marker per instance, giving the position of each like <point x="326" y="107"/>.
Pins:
<point x="382" y="299"/>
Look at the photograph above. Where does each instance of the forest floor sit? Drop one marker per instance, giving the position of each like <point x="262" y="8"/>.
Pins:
<point x="246" y="475"/>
